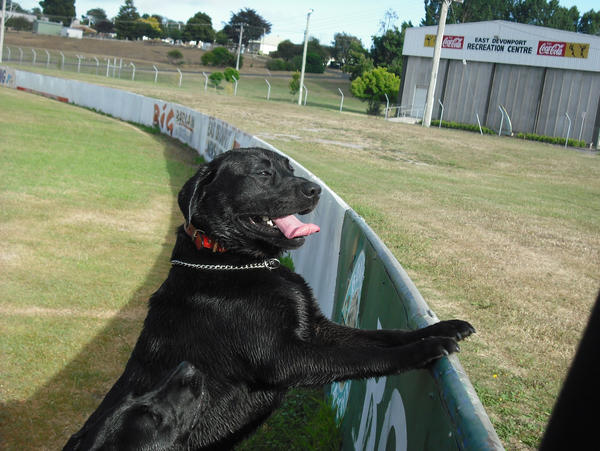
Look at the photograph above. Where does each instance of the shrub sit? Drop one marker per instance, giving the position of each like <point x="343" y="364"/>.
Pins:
<point x="19" y="23"/>
<point x="220" y="57"/>
<point x="460" y="126"/>
<point x="551" y="139"/>
<point x="295" y="63"/>
<point x="216" y="78"/>
<point x="295" y="83"/>
<point x="229" y="73"/>
<point x="174" y="56"/>
<point x="372" y="87"/>
<point x="314" y="63"/>
<point x="276" y="64"/>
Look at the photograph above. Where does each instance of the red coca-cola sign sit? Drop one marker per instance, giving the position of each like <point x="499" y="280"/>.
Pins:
<point x="551" y="48"/>
<point x="453" y="42"/>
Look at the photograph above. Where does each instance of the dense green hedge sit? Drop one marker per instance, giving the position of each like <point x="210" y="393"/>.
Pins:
<point x="222" y="57"/>
<point x="551" y="139"/>
<point x="459" y="126"/>
<point x="529" y="136"/>
<point x="314" y="63"/>
<point x="277" y="64"/>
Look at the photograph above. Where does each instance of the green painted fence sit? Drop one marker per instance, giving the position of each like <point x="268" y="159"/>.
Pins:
<point x="435" y="409"/>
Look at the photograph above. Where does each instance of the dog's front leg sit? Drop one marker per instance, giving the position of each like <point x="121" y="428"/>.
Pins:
<point x="330" y="332"/>
<point x="312" y="364"/>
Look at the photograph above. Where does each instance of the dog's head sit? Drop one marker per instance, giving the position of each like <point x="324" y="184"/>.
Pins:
<point x="245" y="199"/>
<point x="154" y="421"/>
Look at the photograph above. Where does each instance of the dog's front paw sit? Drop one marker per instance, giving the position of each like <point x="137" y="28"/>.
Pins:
<point x="454" y="328"/>
<point x="434" y="348"/>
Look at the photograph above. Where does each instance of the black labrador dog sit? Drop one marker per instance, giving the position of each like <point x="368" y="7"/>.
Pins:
<point x="161" y="419"/>
<point x="251" y="326"/>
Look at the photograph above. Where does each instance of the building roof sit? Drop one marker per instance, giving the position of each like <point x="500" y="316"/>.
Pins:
<point x="500" y="41"/>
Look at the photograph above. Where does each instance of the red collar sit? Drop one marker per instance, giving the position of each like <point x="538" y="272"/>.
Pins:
<point x="201" y="240"/>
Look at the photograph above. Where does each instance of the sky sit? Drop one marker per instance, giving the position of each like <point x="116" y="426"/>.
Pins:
<point x="288" y="19"/>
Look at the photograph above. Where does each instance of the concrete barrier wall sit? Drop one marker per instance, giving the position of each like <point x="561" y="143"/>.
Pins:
<point x="353" y="275"/>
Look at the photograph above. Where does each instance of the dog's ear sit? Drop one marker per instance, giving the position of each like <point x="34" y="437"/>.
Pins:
<point x="193" y="191"/>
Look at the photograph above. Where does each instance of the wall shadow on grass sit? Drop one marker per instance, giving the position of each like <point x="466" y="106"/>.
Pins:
<point x="60" y="407"/>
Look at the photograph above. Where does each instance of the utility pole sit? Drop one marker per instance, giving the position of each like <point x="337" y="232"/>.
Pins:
<point x="237" y="63"/>
<point x="2" y="28"/>
<point x="437" y="50"/>
<point x="310" y="11"/>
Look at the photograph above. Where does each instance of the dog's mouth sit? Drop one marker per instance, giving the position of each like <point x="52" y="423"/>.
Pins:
<point x="288" y="226"/>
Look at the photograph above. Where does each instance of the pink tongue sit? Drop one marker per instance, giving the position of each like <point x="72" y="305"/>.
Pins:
<point x="292" y="227"/>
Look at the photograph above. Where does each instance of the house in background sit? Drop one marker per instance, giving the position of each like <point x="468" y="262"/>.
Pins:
<point x="265" y="45"/>
<point x="48" y="28"/>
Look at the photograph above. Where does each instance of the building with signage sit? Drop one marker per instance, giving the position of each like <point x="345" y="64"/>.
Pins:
<point x="542" y="77"/>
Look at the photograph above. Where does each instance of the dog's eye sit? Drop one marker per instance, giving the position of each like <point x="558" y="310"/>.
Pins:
<point x="265" y="173"/>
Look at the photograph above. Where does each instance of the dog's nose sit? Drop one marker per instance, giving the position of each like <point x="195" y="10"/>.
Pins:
<point x="311" y="190"/>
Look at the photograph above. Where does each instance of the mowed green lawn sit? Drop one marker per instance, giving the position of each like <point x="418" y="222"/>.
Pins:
<point x="87" y="222"/>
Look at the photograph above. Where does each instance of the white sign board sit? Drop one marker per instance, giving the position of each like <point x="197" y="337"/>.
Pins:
<point x="508" y="43"/>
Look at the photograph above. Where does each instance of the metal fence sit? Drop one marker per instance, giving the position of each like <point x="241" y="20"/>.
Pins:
<point x="269" y="86"/>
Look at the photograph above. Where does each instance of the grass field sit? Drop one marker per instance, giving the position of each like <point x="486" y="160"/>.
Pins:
<point x="498" y="231"/>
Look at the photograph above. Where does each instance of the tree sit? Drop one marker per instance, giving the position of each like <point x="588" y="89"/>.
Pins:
<point x="287" y="50"/>
<point x="59" y="10"/>
<point x="216" y="78"/>
<point x="19" y="23"/>
<point x="372" y="87"/>
<point x="175" y="56"/>
<point x="199" y="28"/>
<point x="314" y="46"/>
<point x="97" y="18"/>
<point x="174" y="30"/>
<point x="342" y="44"/>
<point x="125" y="22"/>
<point x="544" y="13"/>
<point x="386" y="50"/>
<point x="294" y="84"/>
<point x="14" y="6"/>
<point x="220" y="56"/>
<point x="229" y="73"/>
<point x="254" y="26"/>
<point x="563" y="18"/>
<point x="95" y="15"/>
<point x="589" y="22"/>
<point x="104" y="26"/>
<point x="221" y="38"/>
<point x="358" y="62"/>
<point x="469" y="11"/>
<point x="314" y="63"/>
<point x="147" y="26"/>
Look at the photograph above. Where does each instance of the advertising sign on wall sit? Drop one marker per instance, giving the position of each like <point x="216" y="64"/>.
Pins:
<point x="509" y="43"/>
<point x="7" y="77"/>
<point x="491" y="44"/>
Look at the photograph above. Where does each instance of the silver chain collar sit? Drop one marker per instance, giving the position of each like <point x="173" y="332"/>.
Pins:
<point x="270" y="264"/>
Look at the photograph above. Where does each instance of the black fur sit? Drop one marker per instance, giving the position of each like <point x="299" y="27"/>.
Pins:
<point x="161" y="419"/>
<point x="255" y="333"/>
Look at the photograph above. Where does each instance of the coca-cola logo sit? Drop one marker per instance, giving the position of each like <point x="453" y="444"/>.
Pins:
<point x="551" y="48"/>
<point x="453" y="42"/>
